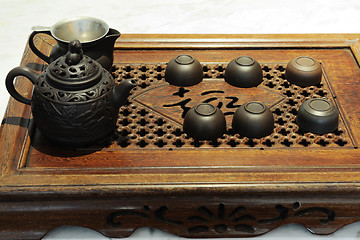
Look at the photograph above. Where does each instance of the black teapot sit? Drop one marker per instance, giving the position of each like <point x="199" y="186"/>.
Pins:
<point x="75" y="101"/>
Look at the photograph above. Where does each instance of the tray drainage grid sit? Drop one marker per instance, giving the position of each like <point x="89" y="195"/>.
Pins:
<point x="140" y="126"/>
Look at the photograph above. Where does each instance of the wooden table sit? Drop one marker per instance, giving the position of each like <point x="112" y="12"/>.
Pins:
<point x="149" y="173"/>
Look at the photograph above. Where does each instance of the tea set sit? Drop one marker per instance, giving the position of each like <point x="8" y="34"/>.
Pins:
<point x="75" y="100"/>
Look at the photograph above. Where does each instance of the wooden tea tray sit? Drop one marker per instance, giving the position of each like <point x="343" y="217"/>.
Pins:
<point x="149" y="173"/>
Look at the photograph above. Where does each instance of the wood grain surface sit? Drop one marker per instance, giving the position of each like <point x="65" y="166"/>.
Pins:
<point x="234" y="187"/>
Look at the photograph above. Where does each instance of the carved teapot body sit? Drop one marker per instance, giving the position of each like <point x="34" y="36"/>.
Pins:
<point x="95" y="35"/>
<point x="75" y="100"/>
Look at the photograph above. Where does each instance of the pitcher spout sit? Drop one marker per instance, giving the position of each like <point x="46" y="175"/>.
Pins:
<point x="102" y="51"/>
<point x="113" y="34"/>
<point x="122" y="91"/>
<point x="108" y="42"/>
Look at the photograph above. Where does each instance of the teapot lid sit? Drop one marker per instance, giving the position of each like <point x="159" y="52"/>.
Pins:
<point x="74" y="71"/>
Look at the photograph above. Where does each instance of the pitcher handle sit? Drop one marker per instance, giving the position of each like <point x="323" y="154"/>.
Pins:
<point x="20" y="71"/>
<point x="32" y="46"/>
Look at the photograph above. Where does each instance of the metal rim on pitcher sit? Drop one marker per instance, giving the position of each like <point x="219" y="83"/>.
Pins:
<point x="56" y="26"/>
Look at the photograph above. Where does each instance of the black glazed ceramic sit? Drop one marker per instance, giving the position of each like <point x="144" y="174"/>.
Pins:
<point x="75" y="101"/>
<point x="183" y="71"/>
<point x="95" y="35"/>
<point x="303" y="71"/>
<point x="318" y="116"/>
<point x="204" y="122"/>
<point x="253" y="120"/>
<point x="244" y="72"/>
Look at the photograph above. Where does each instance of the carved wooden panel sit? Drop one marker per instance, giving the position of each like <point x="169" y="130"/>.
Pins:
<point x="155" y="116"/>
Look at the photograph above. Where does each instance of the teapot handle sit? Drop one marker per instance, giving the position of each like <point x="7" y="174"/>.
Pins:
<point x="34" y="48"/>
<point x="20" y="71"/>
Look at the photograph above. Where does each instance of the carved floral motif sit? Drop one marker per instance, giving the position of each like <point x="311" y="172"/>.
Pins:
<point x="223" y="220"/>
<point x="78" y="96"/>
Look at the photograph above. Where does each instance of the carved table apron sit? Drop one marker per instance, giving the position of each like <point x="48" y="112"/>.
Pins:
<point x="149" y="173"/>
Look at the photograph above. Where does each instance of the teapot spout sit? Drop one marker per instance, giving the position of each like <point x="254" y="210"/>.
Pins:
<point x="122" y="91"/>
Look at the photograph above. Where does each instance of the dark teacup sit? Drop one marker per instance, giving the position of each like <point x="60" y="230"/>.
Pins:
<point x="253" y="120"/>
<point x="204" y="122"/>
<point x="184" y="71"/>
<point x="303" y="71"/>
<point x="243" y="72"/>
<point x="318" y="116"/>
